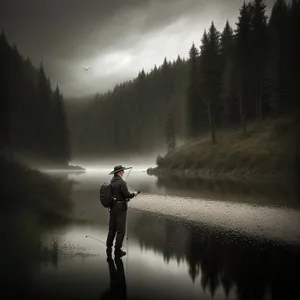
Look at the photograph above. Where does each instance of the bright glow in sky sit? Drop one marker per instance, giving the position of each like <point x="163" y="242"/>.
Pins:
<point x="116" y="38"/>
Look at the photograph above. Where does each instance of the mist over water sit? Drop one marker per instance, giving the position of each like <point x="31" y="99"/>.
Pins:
<point x="97" y="171"/>
<point x="138" y="163"/>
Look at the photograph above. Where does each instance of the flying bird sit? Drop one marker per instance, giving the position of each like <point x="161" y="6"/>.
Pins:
<point x="87" y="68"/>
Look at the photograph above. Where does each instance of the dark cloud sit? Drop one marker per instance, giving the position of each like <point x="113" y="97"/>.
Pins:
<point x="69" y="33"/>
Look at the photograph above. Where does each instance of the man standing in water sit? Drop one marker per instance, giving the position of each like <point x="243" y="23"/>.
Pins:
<point x="118" y="212"/>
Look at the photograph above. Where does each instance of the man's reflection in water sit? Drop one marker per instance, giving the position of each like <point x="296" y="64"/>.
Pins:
<point x="118" y="288"/>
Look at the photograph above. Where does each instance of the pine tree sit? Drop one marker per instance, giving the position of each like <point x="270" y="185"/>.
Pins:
<point x="44" y="109"/>
<point x="179" y="60"/>
<point x="242" y="63"/>
<point x="168" y="87"/>
<point x="210" y="74"/>
<point x="226" y="42"/>
<point x="293" y="54"/>
<point x="192" y="94"/>
<point x="226" y="58"/>
<point x="277" y="72"/>
<point x="61" y="130"/>
<point x="170" y="131"/>
<point x="259" y="48"/>
<point x="5" y="108"/>
<point x="165" y="64"/>
<point x="30" y="118"/>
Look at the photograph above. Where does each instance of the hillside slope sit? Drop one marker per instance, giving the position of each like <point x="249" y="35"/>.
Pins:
<point x="270" y="148"/>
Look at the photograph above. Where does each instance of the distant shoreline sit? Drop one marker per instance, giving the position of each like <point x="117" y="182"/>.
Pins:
<point x="268" y="152"/>
<point x="63" y="168"/>
<point x="76" y="168"/>
<point x="210" y="175"/>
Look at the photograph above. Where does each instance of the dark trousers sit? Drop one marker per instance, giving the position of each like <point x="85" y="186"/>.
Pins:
<point x="117" y="227"/>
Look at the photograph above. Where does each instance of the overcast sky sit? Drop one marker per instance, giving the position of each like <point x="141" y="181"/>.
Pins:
<point x="117" y="38"/>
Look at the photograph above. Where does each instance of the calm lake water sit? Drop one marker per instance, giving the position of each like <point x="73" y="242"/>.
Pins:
<point x="168" y="257"/>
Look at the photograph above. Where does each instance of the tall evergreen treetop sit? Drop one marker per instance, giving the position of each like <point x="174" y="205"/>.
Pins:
<point x="226" y="41"/>
<point x="214" y="39"/>
<point x="193" y="53"/>
<point x="278" y="14"/>
<point x="243" y="32"/>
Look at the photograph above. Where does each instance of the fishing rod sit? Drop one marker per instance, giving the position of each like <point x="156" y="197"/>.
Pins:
<point x="128" y="173"/>
<point x="91" y="237"/>
<point x="127" y="239"/>
<point x="126" y="181"/>
<point x="127" y="232"/>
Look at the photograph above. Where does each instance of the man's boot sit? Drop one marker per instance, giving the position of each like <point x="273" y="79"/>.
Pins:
<point x="119" y="252"/>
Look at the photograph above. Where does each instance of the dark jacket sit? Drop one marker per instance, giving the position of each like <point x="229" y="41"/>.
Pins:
<point x="120" y="190"/>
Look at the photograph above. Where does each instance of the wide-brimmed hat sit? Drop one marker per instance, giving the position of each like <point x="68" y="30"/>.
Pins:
<point x="118" y="169"/>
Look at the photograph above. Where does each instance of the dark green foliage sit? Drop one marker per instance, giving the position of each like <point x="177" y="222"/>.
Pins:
<point x="132" y="118"/>
<point x="4" y="92"/>
<point x="226" y="61"/>
<point x="259" y="51"/>
<point x="276" y="89"/>
<point x="210" y="75"/>
<point x="33" y="122"/>
<point x="61" y="151"/>
<point x="239" y="76"/>
<point x="193" y="97"/>
<point x="170" y="132"/>
<point x="23" y="188"/>
<point x="243" y="77"/>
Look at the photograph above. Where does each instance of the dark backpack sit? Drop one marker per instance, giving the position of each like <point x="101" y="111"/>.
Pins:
<point x="106" y="195"/>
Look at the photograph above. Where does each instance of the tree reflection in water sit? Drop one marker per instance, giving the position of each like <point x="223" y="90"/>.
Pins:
<point x="251" y="269"/>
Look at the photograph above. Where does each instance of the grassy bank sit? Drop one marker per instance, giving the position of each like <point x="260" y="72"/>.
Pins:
<point x="269" y="149"/>
<point x="24" y="188"/>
